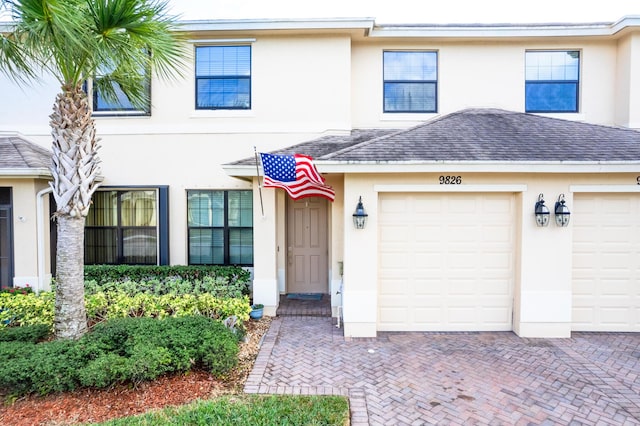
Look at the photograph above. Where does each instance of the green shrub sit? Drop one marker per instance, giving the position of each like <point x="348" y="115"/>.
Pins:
<point x="29" y="333"/>
<point x="32" y="309"/>
<point x="54" y="366"/>
<point x="121" y="350"/>
<point x="43" y="368"/>
<point x="103" y="371"/>
<point x="173" y="344"/>
<point x="26" y="309"/>
<point x="15" y="368"/>
<point x="165" y="279"/>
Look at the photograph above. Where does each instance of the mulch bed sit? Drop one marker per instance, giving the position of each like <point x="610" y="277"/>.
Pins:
<point x="97" y="405"/>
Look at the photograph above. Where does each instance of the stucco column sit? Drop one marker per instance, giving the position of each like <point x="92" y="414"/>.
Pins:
<point x="360" y="297"/>
<point x="543" y="299"/>
<point x="265" y="246"/>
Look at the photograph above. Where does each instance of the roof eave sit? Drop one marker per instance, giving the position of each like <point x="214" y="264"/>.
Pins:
<point x="596" y="29"/>
<point x="365" y="24"/>
<point x="331" y="167"/>
<point x="26" y="173"/>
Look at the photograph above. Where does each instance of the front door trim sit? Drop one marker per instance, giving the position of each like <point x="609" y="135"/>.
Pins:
<point x="307" y="245"/>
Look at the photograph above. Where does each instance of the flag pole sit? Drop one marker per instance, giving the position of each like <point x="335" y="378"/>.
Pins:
<point x="255" y="151"/>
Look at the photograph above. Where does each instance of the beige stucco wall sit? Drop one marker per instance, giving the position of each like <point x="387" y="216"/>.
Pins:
<point x="628" y="81"/>
<point x="542" y="292"/>
<point x="486" y="74"/>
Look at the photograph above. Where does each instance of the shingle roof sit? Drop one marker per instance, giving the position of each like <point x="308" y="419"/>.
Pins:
<point x="326" y="145"/>
<point x="498" y="135"/>
<point x="18" y="153"/>
<point x="479" y="135"/>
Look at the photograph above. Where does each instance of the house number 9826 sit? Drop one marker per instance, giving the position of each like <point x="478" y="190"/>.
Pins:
<point x="457" y="180"/>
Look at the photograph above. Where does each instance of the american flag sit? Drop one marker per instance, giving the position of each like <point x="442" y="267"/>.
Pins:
<point x="296" y="174"/>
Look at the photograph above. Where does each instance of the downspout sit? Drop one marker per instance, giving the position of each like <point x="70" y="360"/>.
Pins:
<point x="40" y="235"/>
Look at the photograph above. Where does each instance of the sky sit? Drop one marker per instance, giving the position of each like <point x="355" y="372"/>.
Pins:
<point x="411" y="11"/>
<point x="414" y="11"/>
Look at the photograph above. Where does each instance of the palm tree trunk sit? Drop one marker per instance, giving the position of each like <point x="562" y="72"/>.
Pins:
<point x="74" y="168"/>
<point x="70" y="321"/>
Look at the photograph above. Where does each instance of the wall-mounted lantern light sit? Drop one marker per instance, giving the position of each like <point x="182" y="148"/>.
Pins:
<point x="541" y="212"/>
<point x="562" y="212"/>
<point x="360" y="216"/>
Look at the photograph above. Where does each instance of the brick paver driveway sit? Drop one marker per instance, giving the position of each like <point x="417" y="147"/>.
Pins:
<point x="455" y="378"/>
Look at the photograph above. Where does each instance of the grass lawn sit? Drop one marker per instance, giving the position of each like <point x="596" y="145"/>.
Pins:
<point x="234" y="410"/>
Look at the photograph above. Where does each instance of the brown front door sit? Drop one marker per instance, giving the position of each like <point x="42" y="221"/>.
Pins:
<point x="307" y="248"/>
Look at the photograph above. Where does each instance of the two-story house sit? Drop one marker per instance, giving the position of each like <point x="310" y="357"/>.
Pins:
<point x="451" y="136"/>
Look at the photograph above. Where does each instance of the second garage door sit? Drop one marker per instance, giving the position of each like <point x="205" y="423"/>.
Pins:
<point x="606" y="262"/>
<point x="446" y="262"/>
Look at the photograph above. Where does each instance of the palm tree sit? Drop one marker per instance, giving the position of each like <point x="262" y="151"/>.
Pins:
<point x="75" y="40"/>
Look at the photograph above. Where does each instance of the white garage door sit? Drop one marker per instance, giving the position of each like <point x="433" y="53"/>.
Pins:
<point x="606" y="262"/>
<point x="446" y="262"/>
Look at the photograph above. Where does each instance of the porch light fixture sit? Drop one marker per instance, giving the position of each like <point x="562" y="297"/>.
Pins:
<point x="541" y="212"/>
<point x="562" y="212"/>
<point x="360" y="216"/>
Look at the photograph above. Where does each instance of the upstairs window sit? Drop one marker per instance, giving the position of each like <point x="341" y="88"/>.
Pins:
<point x="107" y="96"/>
<point x="223" y="77"/>
<point x="410" y="81"/>
<point x="220" y="226"/>
<point x="552" y="81"/>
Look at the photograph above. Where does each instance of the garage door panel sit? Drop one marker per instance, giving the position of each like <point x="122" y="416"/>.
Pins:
<point x="497" y="287"/>
<point x="398" y="234"/>
<point x="394" y="316"/>
<point x="428" y="289"/>
<point x="459" y="253"/>
<point x="606" y="262"/>
<point x="497" y="234"/>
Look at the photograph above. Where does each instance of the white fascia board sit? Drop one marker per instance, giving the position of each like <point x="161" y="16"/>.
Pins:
<point x="277" y="24"/>
<point x="625" y="22"/>
<point x="504" y="30"/>
<point x="449" y="166"/>
<point x="21" y="173"/>
<point x="481" y="167"/>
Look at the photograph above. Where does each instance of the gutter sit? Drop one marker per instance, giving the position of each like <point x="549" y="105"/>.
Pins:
<point x="40" y="235"/>
<point x="403" y="167"/>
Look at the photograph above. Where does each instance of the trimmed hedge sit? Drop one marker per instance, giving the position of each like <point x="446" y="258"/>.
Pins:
<point x="117" y="351"/>
<point x="119" y="273"/>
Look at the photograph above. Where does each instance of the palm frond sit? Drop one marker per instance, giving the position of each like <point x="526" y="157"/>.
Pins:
<point x="77" y="39"/>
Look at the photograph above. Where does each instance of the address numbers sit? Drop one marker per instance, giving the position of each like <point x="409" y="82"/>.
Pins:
<point x="457" y="180"/>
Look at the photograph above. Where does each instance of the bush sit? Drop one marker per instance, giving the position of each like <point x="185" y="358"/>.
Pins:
<point x="15" y="369"/>
<point x="43" y="368"/>
<point x="122" y="350"/>
<point x="32" y="309"/>
<point x="154" y="279"/>
<point x="17" y="290"/>
<point x="29" y="333"/>
<point x="217" y="286"/>
<point x="26" y="309"/>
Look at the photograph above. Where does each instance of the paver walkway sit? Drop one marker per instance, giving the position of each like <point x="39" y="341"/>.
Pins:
<point x="455" y="378"/>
